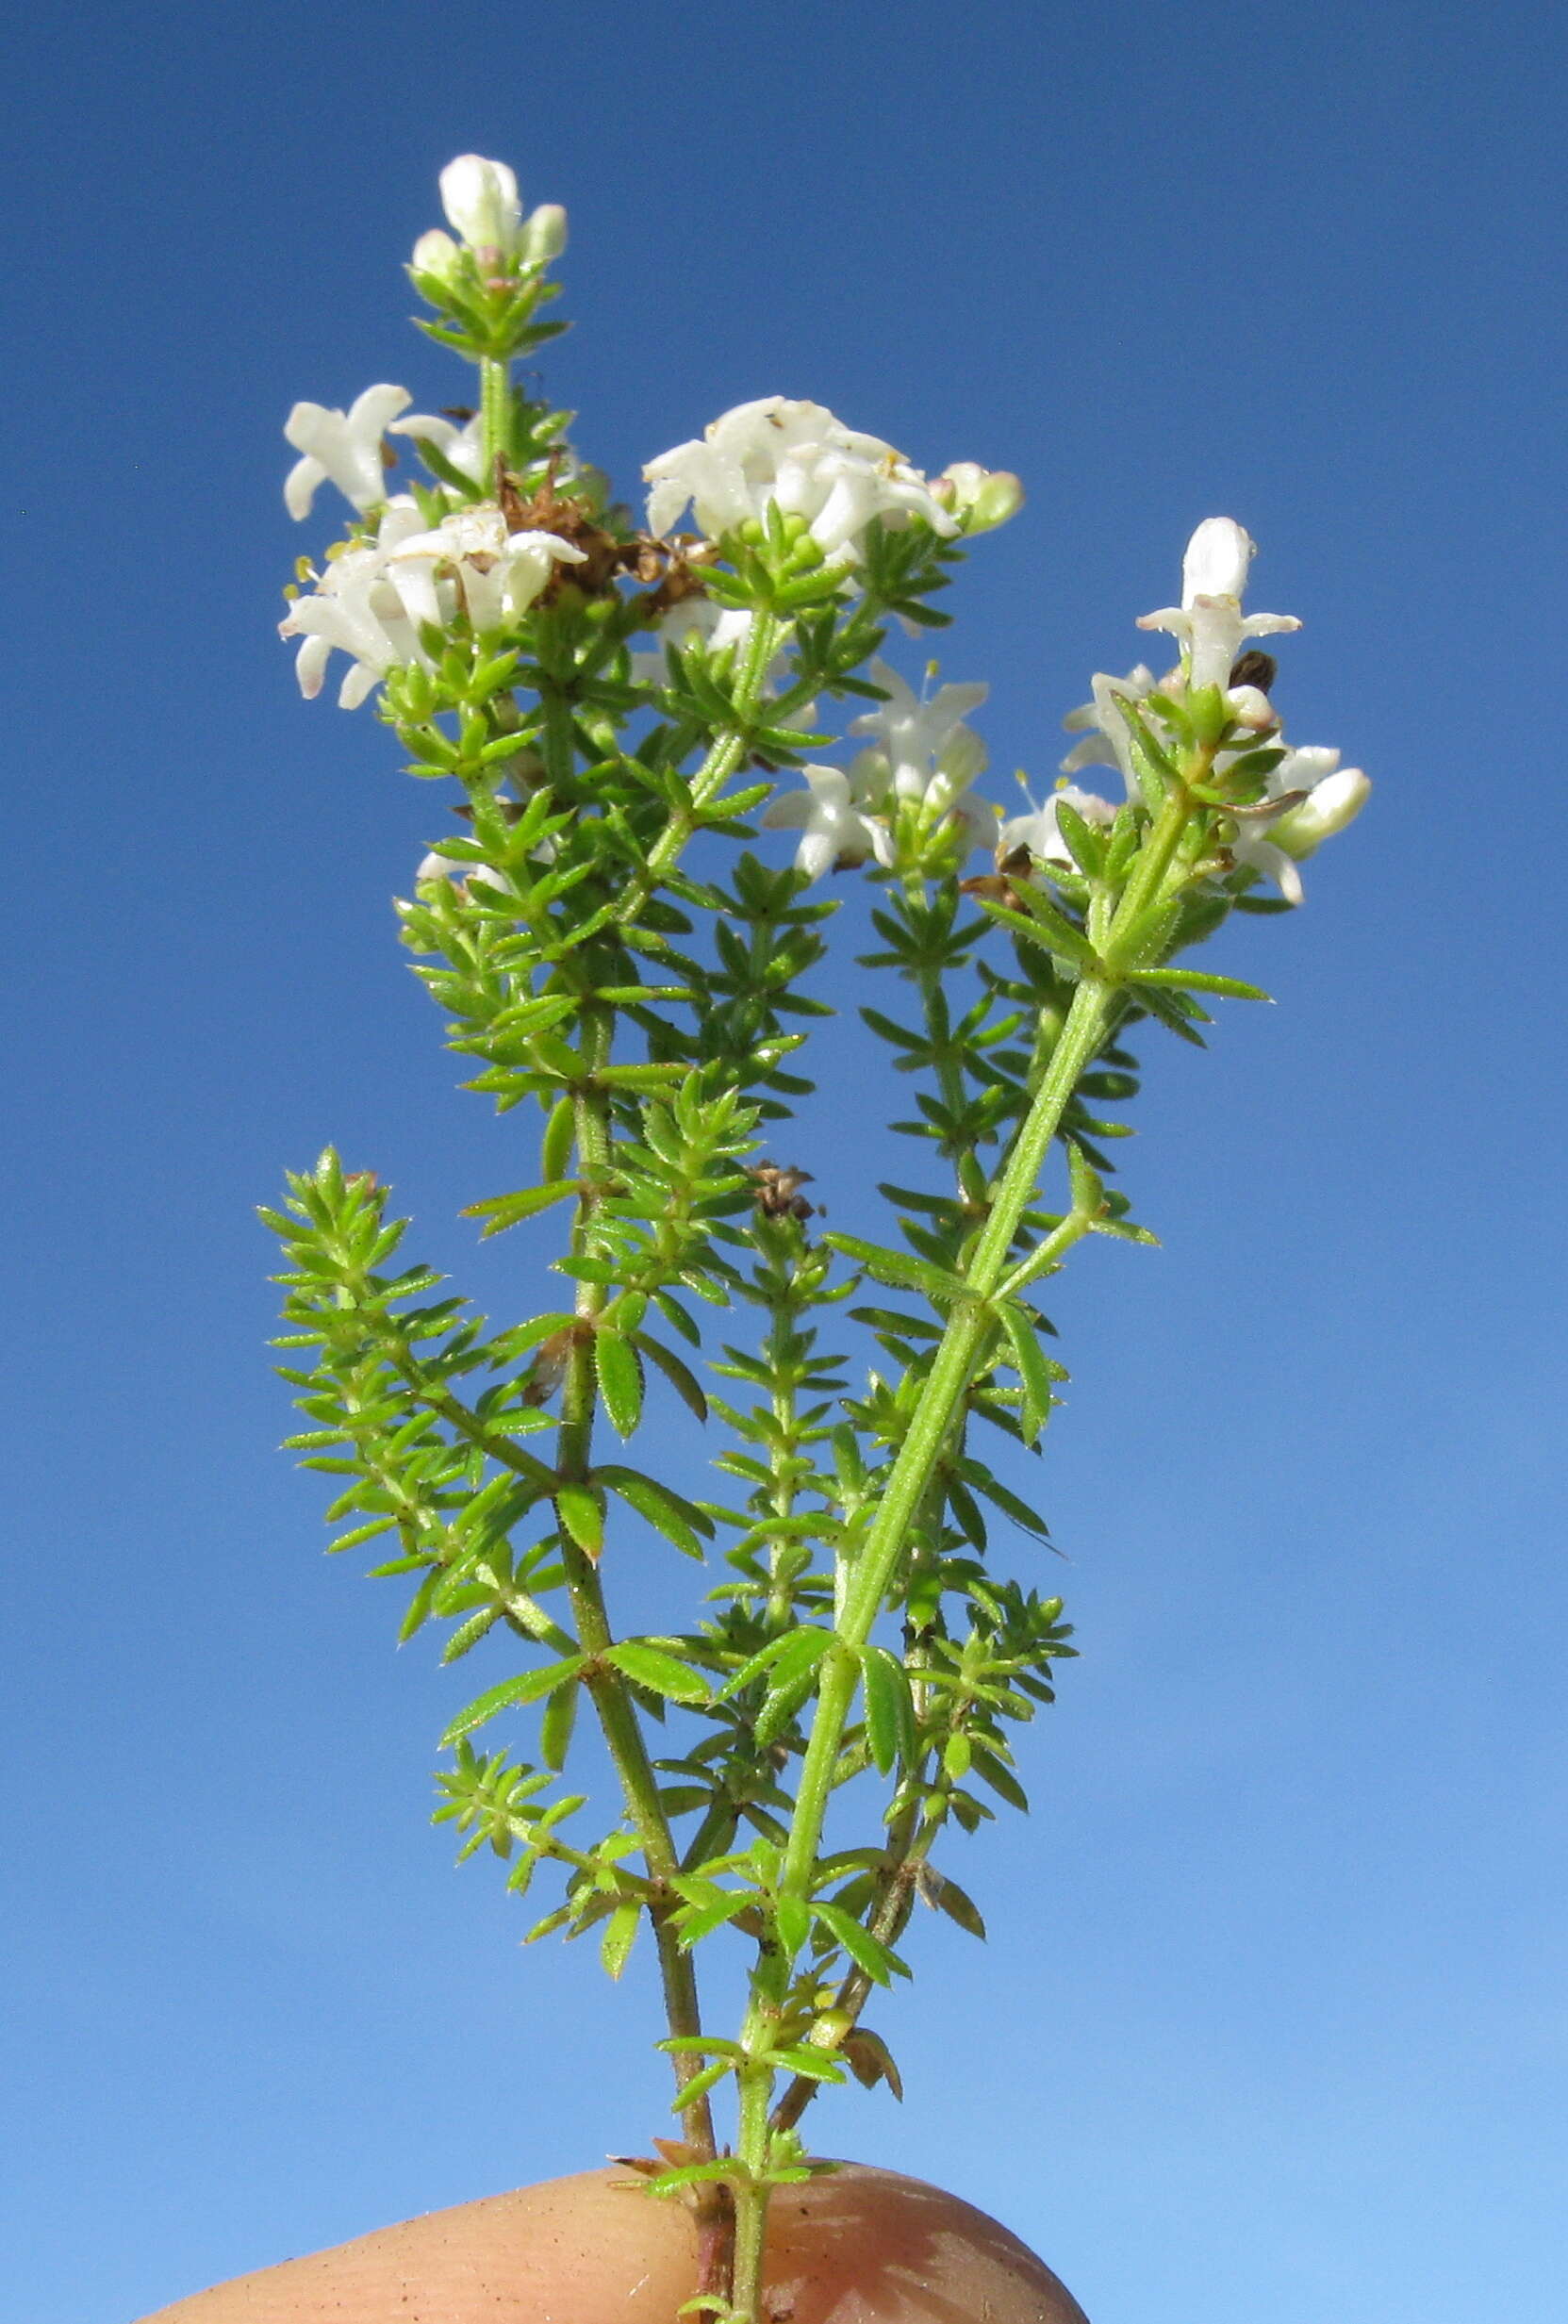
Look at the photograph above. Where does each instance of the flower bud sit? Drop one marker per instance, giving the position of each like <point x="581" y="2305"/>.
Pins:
<point x="1249" y="707"/>
<point x="544" y="234"/>
<point x="436" y="254"/>
<point x="1217" y="557"/>
<point x="1327" y="807"/>
<point x="980" y="498"/>
<point x="480" y="199"/>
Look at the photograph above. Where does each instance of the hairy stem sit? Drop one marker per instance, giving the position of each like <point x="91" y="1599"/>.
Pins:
<point x="495" y="397"/>
<point x="968" y="1329"/>
<point x="611" y="1696"/>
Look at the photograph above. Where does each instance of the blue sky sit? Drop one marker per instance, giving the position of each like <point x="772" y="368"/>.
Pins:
<point x="1272" y="2022"/>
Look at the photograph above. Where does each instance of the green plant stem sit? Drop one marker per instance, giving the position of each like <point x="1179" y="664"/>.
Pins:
<point x="968" y="1328"/>
<point x="910" y="1841"/>
<point x="726" y="753"/>
<point x="610" y="1694"/>
<point x="755" y="2089"/>
<point x="495" y="413"/>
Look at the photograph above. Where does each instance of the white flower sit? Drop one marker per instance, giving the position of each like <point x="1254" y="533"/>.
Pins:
<point x="480" y="199"/>
<point x="354" y="610"/>
<point x="1209" y="620"/>
<point x="916" y="734"/>
<point x="1334" y="796"/>
<point x="342" y="447"/>
<point x="499" y="573"/>
<point x="1039" y="831"/>
<point x="1104" y="730"/>
<point x="462" y="448"/>
<point x="434" y="867"/>
<point x="836" y="833"/>
<point x="798" y="456"/>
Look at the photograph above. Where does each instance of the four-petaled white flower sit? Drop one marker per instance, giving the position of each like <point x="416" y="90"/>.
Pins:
<point x="836" y="833"/>
<point x="1209" y="621"/>
<point x="917" y="736"/>
<point x="341" y="448"/>
<point x="345" y="448"/>
<point x="1335" y="795"/>
<point x="796" y="456"/>
<point x="499" y="573"/>
<point x="1039" y="832"/>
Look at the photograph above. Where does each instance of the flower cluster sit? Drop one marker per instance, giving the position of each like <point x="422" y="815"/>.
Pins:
<point x="798" y="458"/>
<point x="912" y="785"/>
<point x="375" y="594"/>
<point x="482" y="204"/>
<point x="1307" y="796"/>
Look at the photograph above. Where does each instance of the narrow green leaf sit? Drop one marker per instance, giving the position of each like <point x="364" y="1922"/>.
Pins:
<point x="680" y="1520"/>
<point x="799" y="2057"/>
<point x="867" y="1952"/>
<point x="556" y="1722"/>
<point x="792" y="1918"/>
<point x="620" y="1934"/>
<point x="518" y="1341"/>
<point x="685" y="1384"/>
<point x="1087" y="1185"/>
<point x="1085" y="845"/>
<point x="704" y="1919"/>
<point x="889" y="1709"/>
<point x="1006" y="1500"/>
<point x="504" y="1211"/>
<point x="619" y="1380"/>
<point x="1197" y="980"/>
<point x="560" y="1131"/>
<point x="691" y="2093"/>
<point x="1030" y="1361"/>
<point x="692" y="2174"/>
<point x="810" y="1644"/>
<point x="360" y="1533"/>
<point x="901" y="1270"/>
<point x="652" y="1667"/>
<point x="902" y="1326"/>
<point x="583" y="1518"/>
<point x="955" y="1902"/>
<point x="1042" y="926"/>
<point x="510" y="1694"/>
<point x="1000" y="1777"/>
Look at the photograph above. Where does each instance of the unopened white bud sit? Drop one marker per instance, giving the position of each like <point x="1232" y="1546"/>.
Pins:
<point x="544" y="234"/>
<point x="1249" y="707"/>
<point x="1217" y="562"/>
<point x="480" y="199"/>
<point x="981" y="498"/>
<point x="436" y="254"/>
<point x="1327" y="807"/>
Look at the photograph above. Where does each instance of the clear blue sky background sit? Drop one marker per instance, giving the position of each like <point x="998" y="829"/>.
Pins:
<point x="1273" y="2020"/>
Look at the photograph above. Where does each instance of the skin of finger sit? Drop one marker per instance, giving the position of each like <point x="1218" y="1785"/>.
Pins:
<point x="856" y="2246"/>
